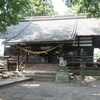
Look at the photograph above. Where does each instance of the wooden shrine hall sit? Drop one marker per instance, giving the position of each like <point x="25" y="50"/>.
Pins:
<point x="37" y="37"/>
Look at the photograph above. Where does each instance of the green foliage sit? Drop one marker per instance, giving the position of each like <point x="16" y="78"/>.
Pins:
<point x="91" y="7"/>
<point x="9" y="10"/>
<point x="39" y="8"/>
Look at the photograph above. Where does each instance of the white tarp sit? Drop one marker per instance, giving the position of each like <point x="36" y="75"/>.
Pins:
<point x="1" y="47"/>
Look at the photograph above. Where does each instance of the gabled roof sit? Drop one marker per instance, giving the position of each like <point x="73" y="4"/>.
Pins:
<point x="51" y="29"/>
<point x="41" y="31"/>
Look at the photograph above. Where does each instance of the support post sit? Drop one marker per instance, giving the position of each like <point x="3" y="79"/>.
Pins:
<point x="27" y="54"/>
<point x="7" y="64"/>
<point x="18" y="54"/>
<point x="78" y="46"/>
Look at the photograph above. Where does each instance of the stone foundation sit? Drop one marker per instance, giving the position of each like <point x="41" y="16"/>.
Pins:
<point x="62" y="75"/>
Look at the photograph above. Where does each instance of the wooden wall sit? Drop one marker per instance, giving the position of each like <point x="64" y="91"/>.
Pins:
<point x="86" y="43"/>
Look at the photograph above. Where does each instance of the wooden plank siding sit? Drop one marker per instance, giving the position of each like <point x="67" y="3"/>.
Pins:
<point x="82" y="41"/>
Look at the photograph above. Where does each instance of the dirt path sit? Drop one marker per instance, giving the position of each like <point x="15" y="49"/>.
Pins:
<point x="33" y="90"/>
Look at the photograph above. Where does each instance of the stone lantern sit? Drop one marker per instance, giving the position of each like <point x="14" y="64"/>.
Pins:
<point x="82" y="66"/>
<point x="82" y="82"/>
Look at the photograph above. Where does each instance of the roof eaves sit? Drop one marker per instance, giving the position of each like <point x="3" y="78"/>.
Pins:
<point x="56" y="41"/>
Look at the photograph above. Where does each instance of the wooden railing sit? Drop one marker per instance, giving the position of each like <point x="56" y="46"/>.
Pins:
<point x="91" y="62"/>
<point x="4" y="63"/>
<point x="21" y="61"/>
<point x="73" y="62"/>
<point x="13" y="60"/>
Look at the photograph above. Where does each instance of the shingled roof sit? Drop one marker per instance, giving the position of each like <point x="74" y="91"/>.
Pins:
<point x="51" y="29"/>
<point x="88" y="27"/>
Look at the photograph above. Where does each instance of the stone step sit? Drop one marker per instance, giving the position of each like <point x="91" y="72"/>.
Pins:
<point x="42" y="77"/>
<point x="15" y="80"/>
<point x="45" y="73"/>
<point x="37" y="75"/>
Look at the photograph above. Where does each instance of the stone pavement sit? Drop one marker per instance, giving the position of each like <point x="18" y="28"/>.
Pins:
<point x="36" y="90"/>
<point x="4" y="82"/>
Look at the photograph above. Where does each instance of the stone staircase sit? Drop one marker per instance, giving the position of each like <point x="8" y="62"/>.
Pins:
<point x="43" y="76"/>
<point x="35" y="75"/>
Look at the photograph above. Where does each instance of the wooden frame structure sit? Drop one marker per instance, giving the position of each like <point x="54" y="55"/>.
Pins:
<point x="78" y="34"/>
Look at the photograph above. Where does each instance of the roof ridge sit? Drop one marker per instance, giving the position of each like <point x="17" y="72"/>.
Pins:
<point x="54" y="17"/>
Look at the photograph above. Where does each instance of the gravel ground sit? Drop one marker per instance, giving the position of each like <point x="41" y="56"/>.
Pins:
<point x="34" y="90"/>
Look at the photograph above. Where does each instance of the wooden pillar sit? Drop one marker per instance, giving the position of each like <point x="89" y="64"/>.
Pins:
<point x="93" y="47"/>
<point x="7" y="64"/>
<point x="27" y="55"/>
<point x="78" y="46"/>
<point x="18" y="56"/>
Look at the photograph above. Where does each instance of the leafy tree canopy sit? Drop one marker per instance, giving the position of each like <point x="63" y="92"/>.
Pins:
<point x="9" y="9"/>
<point x="91" y="7"/>
<point x="39" y="8"/>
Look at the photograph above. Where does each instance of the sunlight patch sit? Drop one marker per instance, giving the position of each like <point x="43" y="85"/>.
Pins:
<point x="31" y="85"/>
<point x="96" y="94"/>
<point x="89" y="79"/>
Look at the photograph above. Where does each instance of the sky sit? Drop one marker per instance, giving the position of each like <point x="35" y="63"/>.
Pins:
<point x="59" y="6"/>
